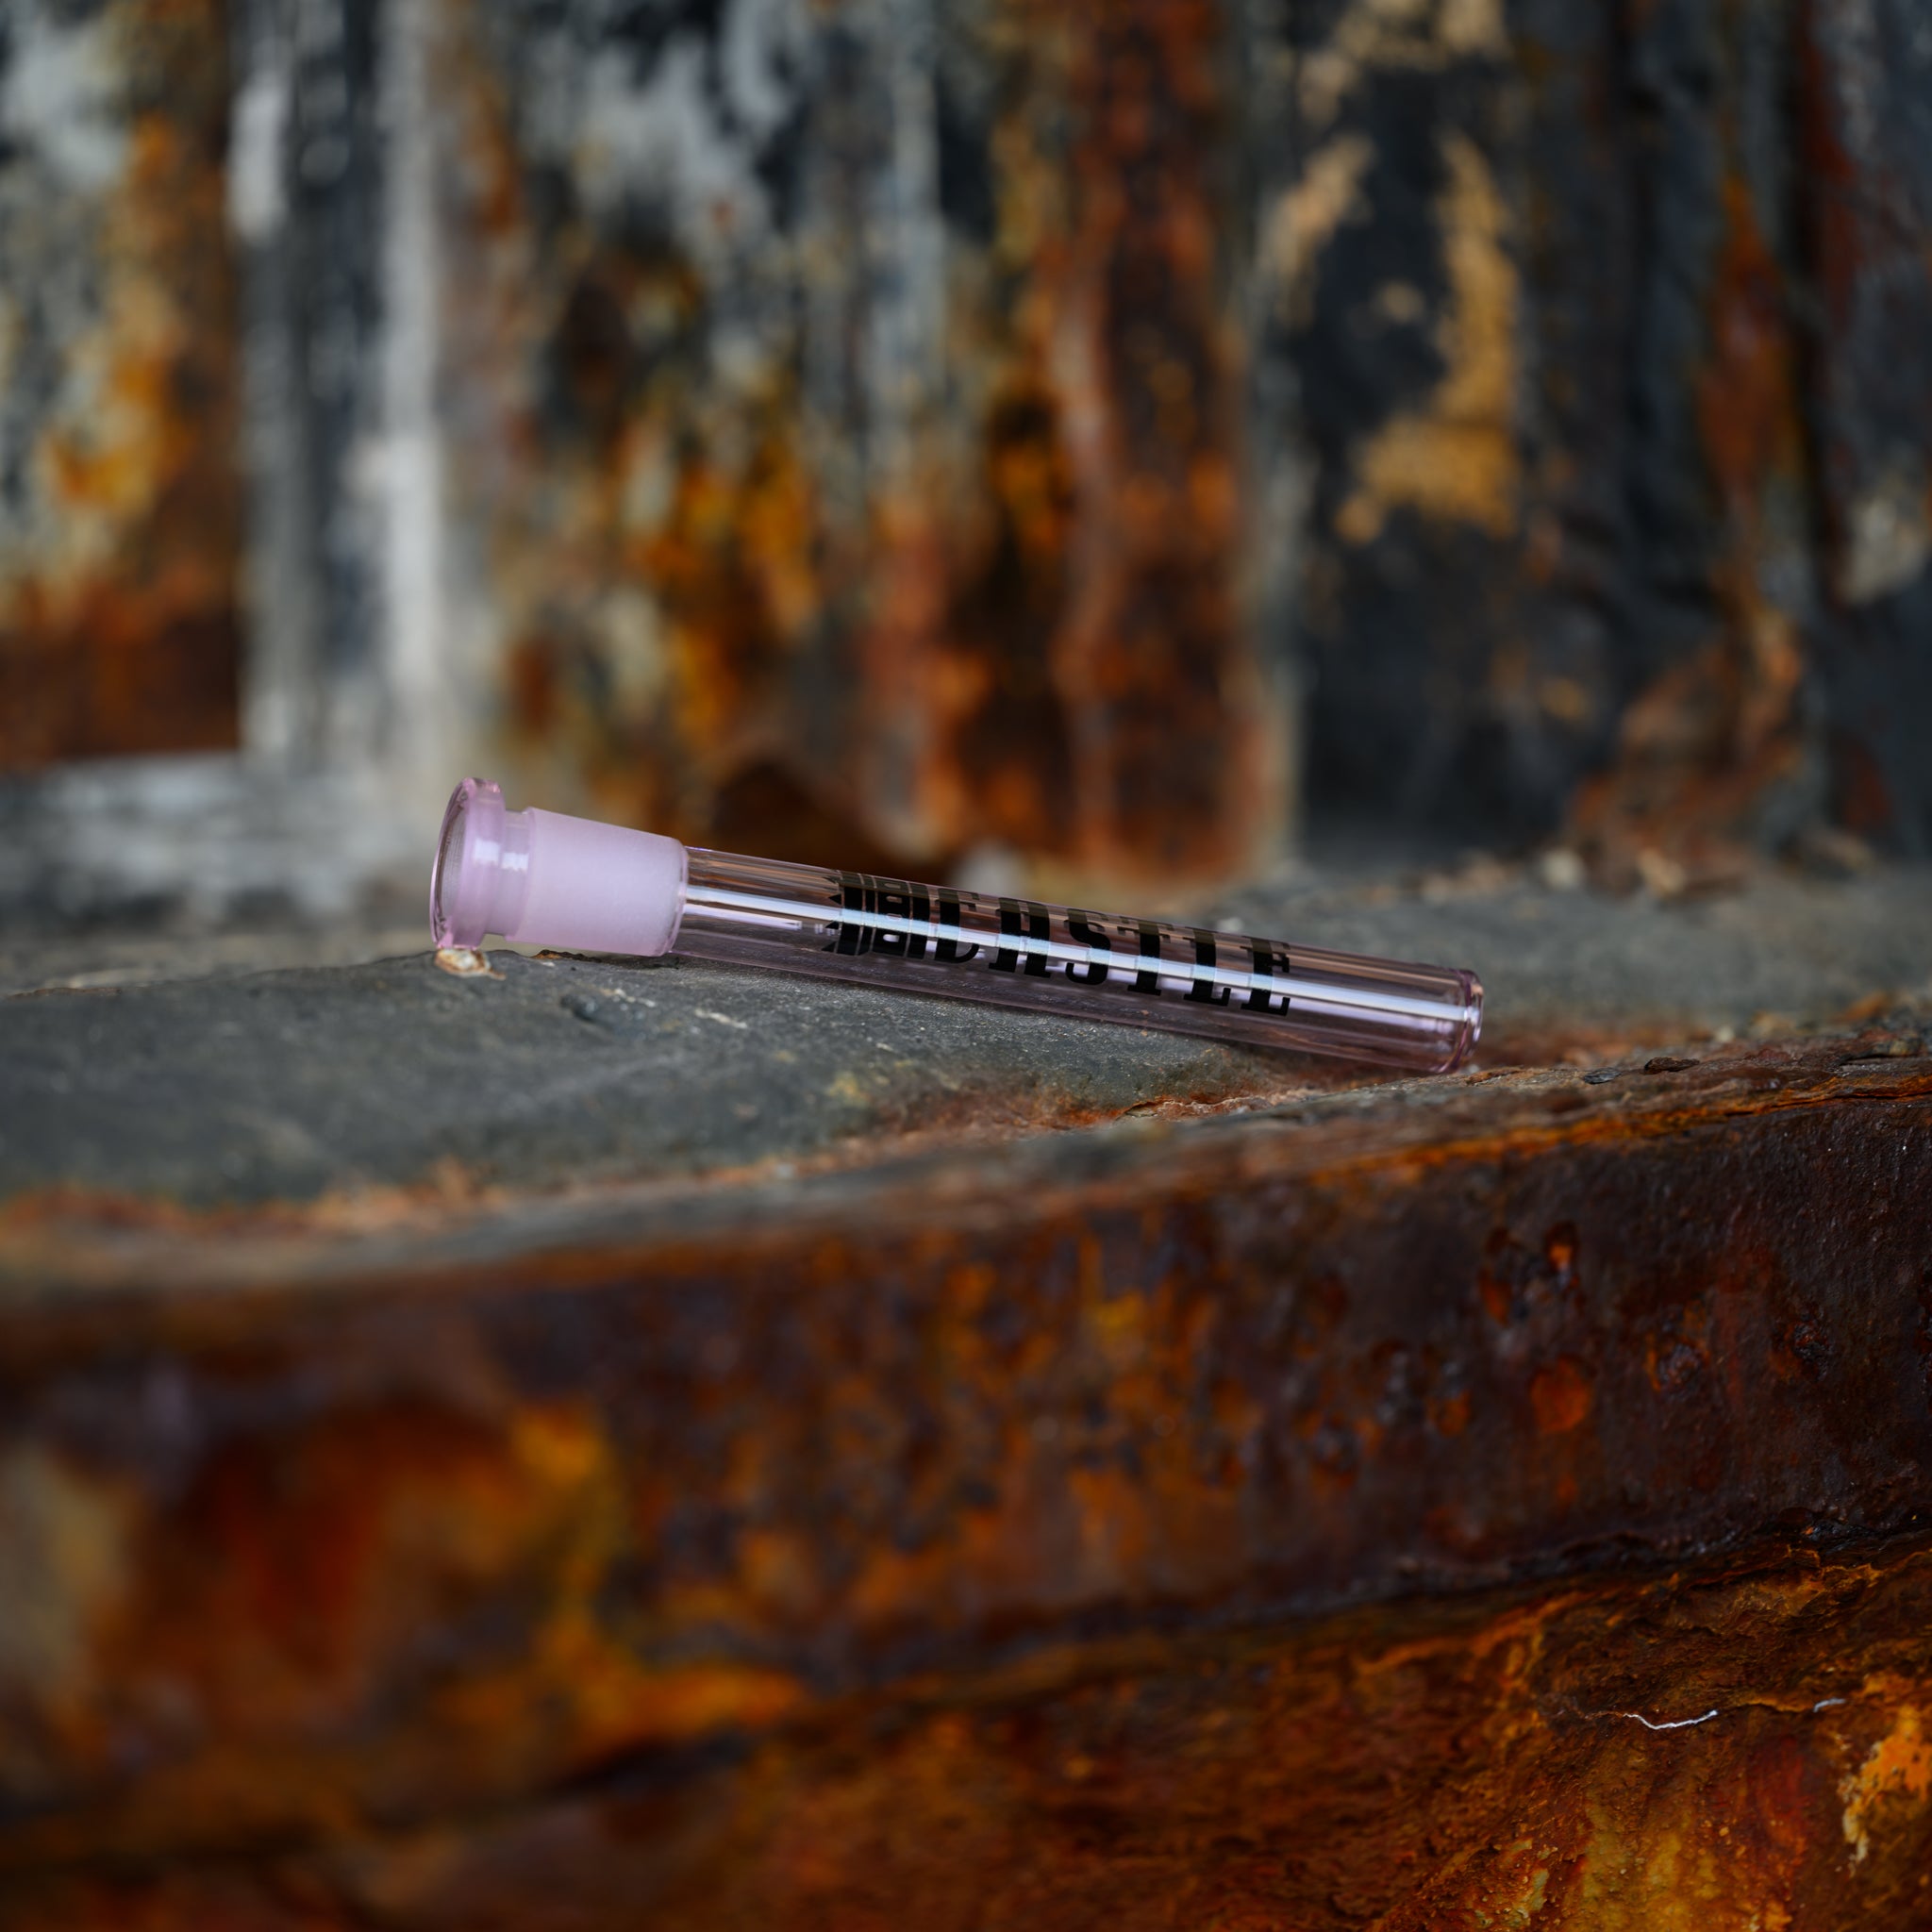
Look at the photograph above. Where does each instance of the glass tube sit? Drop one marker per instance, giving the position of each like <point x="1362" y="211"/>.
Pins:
<point x="540" y="878"/>
<point x="1064" y="959"/>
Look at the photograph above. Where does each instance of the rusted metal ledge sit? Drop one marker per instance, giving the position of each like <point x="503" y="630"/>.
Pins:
<point x="1737" y="1744"/>
<point x="328" y="1525"/>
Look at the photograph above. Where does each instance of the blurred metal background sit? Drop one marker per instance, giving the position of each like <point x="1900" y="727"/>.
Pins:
<point x="1107" y="442"/>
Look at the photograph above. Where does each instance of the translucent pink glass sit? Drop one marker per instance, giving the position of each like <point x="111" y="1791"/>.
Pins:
<point x="568" y="882"/>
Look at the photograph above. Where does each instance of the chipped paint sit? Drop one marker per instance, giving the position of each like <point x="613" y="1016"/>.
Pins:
<point x="1371" y="35"/>
<point x="1456" y="458"/>
<point x="1888" y="539"/>
<point x="1891" y="1783"/>
<point x="1306" y="213"/>
<point x="775" y="432"/>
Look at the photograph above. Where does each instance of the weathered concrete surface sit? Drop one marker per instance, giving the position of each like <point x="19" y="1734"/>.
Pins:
<point x="557" y="1071"/>
<point x="1563" y="969"/>
<point x="85" y="961"/>
<point x="1732" y="1746"/>
<point x="395" y="1076"/>
<point x="120" y="510"/>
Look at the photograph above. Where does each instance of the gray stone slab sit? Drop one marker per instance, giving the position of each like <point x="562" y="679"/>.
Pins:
<point x="291" y="1085"/>
<point x="298" y="1084"/>
<point x="1789" y="948"/>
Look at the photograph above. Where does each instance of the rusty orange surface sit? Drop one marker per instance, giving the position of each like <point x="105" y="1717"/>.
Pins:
<point x="794" y="606"/>
<point x="329" y="1528"/>
<point x="1737" y="1745"/>
<point x="119" y="629"/>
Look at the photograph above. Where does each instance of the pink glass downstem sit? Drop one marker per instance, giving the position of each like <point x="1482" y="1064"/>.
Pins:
<point x="573" y="884"/>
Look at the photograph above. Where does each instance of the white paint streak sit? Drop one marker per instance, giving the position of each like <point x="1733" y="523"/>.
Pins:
<point x="61" y="99"/>
<point x="1637" y="1716"/>
<point x="665" y="140"/>
<point x="258" y="204"/>
<point x="1304" y="218"/>
<point x="1679" y="1723"/>
<point x="908" y="242"/>
<point x="1888" y="540"/>
<point x="421" y="737"/>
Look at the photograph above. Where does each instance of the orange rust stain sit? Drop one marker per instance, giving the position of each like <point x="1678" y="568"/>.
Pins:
<point x="119" y="631"/>
<point x="1700" y="746"/>
<point x="1006" y="772"/>
<point x="288" y="1594"/>
<point x="1560" y="1395"/>
<point x="657" y="584"/>
<point x="1495" y="1295"/>
<point x="1015" y="619"/>
<point x="1891" y="1783"/>
<point x="1414" y="1766"/>
<point x="66" y="1538"/>
<point x="319" y="1550"/>
<point x="1561" y="1250"/>
<point x="1456" y="459"/>
<point x="1091" y="694"/>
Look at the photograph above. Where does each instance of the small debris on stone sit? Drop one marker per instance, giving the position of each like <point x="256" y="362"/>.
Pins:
<point x="1661" y="873"/>
<point x="466" y="963"/>
<point x="1829" y="852"/>
<point x="1562" y="871"/>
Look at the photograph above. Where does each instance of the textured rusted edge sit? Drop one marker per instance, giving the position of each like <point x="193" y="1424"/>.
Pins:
<point x="1738" y="1742"/>
<point x="428" y="1536"/>
<point x="79" y="1264"/>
